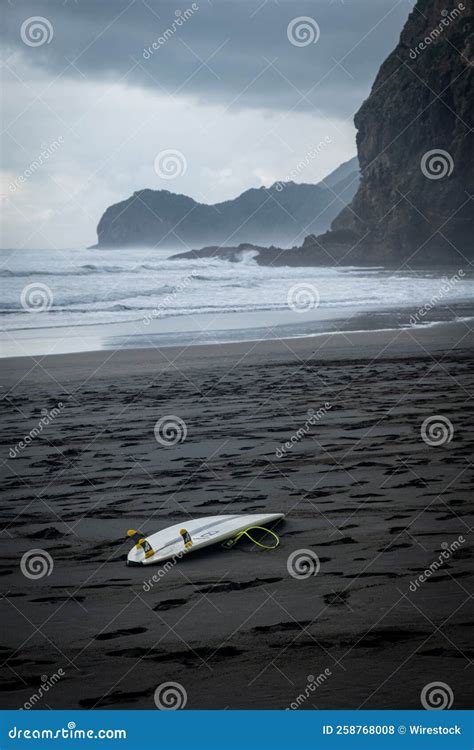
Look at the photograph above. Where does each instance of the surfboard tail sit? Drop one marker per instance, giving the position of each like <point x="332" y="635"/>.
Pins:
<point x="141" y="542"/>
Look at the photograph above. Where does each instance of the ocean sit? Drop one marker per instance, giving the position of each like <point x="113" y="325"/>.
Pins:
<point x="78" y="299"/>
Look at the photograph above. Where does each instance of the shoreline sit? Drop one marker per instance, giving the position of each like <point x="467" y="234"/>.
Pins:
<point x="355" y="345"/>
<point x="159" y="304"/>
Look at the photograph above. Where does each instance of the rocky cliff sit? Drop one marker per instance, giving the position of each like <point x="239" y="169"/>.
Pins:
<point x="282" y="214"/>
<point x="416" y="150"/>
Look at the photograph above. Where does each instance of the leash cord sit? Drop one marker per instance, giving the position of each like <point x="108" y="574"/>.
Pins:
<point x="229" y="543"/>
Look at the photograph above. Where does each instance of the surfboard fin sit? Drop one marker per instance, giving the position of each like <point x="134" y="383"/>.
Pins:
<point x="140" y="541"/>
<point x="188" y="542"/>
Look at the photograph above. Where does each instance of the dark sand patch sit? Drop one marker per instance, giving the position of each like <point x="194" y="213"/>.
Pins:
<point x="362" y="490"/>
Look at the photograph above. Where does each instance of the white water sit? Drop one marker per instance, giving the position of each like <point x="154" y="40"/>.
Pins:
<point x="90" y="287"/>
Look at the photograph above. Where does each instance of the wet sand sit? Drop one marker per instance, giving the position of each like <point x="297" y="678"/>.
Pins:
<point x="360" y="489"/>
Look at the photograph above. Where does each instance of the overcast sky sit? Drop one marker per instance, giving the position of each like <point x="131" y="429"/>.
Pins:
<point x="241" y="89"/>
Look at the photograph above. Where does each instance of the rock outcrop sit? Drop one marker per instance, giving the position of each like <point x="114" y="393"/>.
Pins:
<point x="282" y="214"/>
<point x="415" y="147"/>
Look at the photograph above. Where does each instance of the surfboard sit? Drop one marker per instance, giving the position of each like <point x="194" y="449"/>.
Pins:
<point x="198" y="533"/>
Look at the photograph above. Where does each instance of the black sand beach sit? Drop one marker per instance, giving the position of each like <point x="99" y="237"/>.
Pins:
<point x="360" y="488"/>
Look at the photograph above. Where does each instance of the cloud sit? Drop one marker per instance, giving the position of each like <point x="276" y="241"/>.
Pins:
<point x="234" y="51"/>
<point x="220" y="81"/>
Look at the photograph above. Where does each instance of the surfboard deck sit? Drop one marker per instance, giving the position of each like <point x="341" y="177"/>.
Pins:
<point x="169" y="543"/>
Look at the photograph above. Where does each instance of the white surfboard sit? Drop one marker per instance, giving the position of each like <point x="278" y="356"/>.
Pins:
<point x="169" y="543"/>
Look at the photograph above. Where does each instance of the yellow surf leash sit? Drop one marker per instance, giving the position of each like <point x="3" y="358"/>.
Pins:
<point x="230" y="542"/>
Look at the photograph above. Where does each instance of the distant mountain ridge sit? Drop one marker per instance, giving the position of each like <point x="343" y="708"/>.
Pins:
<point x="283" y="214"/>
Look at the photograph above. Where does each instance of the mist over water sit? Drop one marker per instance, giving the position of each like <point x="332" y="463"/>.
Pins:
<point x="111" y="286"/>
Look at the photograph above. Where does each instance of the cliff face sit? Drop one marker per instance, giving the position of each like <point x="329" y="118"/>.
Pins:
<point x="416" y="150"/>
<point x="282" y="214"/>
